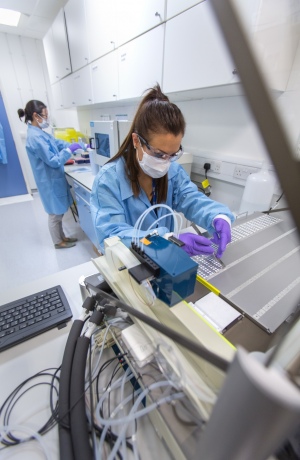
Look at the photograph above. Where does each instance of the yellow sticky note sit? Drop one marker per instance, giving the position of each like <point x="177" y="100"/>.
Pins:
<point x="145" y="241"/>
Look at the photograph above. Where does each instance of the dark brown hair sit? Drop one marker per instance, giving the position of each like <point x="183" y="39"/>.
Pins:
<point x="31" y="107"/>
<point x="155" y="115"/>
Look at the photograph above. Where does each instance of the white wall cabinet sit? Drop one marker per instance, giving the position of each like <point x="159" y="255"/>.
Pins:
<point x="67" y="89"/>
<point x="77" y="33"/>
<point x="195" y="54"/>
<point x="57" y="50"/>
<point x="101" y="27"/>
<point x="187" y="52"/>
<point x="57" y="95"/>
<point x="82" y="86"/>
<point x="74" y="90"/>
<point x="135" y="17"/>
<point x="104" y="73"/>
<point x="140" y="63"/>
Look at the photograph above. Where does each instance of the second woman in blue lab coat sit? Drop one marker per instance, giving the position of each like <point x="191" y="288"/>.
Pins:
<point x="144" y="172"/>
<point x="47" y="157"/>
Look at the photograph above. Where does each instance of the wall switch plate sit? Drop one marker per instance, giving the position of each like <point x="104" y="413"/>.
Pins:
<point x="242" y="172"/>
<point x="216" y="166"/>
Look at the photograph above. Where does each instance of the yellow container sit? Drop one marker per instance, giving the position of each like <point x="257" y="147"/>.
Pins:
<point x="68" y="134"/>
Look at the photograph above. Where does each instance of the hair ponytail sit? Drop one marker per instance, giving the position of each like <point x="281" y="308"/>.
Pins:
<point x="32" y="107"/>
<point x="155" y="115"/>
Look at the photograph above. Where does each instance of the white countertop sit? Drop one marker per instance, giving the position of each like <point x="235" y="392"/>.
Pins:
<point x="82" y="174"/>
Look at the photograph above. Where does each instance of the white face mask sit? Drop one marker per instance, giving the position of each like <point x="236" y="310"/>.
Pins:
<point x="44" y="124"/>
<point x="152" y="166"/>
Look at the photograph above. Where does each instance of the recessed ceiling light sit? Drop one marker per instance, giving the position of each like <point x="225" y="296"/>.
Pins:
<point x="9" y="17"/>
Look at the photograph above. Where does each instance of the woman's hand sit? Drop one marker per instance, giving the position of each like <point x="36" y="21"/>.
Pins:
<point x="74" y="147"/>
<point x="222" y="235"/>
<point x="196" y="244"/>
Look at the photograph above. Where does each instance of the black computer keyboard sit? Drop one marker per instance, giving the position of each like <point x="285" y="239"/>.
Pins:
<point x="25" y="318"/>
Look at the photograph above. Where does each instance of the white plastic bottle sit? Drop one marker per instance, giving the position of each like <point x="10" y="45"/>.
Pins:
<point x="258" y="191"/>
<point x="81" y="143"/>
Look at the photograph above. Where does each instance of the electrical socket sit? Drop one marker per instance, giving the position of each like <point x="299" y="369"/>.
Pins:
<point x="216" y="166"/>
<point x="242" y="172"/>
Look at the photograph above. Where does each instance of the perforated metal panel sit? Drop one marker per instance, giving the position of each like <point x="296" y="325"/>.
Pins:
<point x="262" y="268"/>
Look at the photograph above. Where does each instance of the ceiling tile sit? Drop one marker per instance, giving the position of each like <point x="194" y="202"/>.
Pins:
<point x="24" y="6"/>
<point x="37" y="16"/>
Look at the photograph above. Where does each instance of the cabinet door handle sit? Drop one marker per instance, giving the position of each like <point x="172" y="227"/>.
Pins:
<point x="158" y="15"/>
<point x="235" y="72"/>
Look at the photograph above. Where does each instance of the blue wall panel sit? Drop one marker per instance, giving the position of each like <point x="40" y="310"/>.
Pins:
<point x="12" y="181"/>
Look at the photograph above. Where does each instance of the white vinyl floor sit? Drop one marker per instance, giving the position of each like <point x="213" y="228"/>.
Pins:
<point x="26" y="249"/>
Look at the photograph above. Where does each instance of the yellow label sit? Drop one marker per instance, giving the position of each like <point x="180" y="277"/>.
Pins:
<point x="145" y="241"/>
<point x="205" y="183"/>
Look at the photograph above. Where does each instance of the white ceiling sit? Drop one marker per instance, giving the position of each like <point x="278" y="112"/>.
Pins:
<point x="36" y="18"/>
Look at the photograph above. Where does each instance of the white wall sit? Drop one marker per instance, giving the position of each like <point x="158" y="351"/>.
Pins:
<point x="24" y="76"/>
<point x="221" y="126"/>
<point x="224" y="127"/>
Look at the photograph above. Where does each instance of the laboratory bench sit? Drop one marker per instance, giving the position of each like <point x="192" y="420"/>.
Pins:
<point x="266" y="251"/>
<point x="251" y="261"/>
<point x="81" y="179"/>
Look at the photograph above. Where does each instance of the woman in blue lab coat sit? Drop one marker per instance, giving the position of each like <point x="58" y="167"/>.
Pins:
<point x="145" y="172"/>
<point x="47" y="157"/>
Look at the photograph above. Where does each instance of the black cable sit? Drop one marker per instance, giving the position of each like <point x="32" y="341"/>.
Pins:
<point x="110" y="436"/>
<point x="14" y="397"/>
<point x="277" y="201"/>
<point x="115" y="371"/>
<point x="103" y="367"/>
<point x="206" y="168"/>
<point x="191" y="345"/>
<point x="91" y="397"/>
<point x="54" y="411"/>
<point x="78" y="423"/>
<point x="271" y="210"/>
<point x="190" y="422"/>
<point x="10" y="409"/>
<point x="65" y="442"/>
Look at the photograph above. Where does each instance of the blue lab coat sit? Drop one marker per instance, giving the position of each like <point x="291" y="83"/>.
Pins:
<point x="47" y="157"/>
<point x="115" y="209"/>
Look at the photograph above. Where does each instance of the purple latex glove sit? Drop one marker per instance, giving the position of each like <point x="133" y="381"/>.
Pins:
<point x="196" y="244"/>
<point x="222" y="235"/>
<point x="74" y="147"/>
